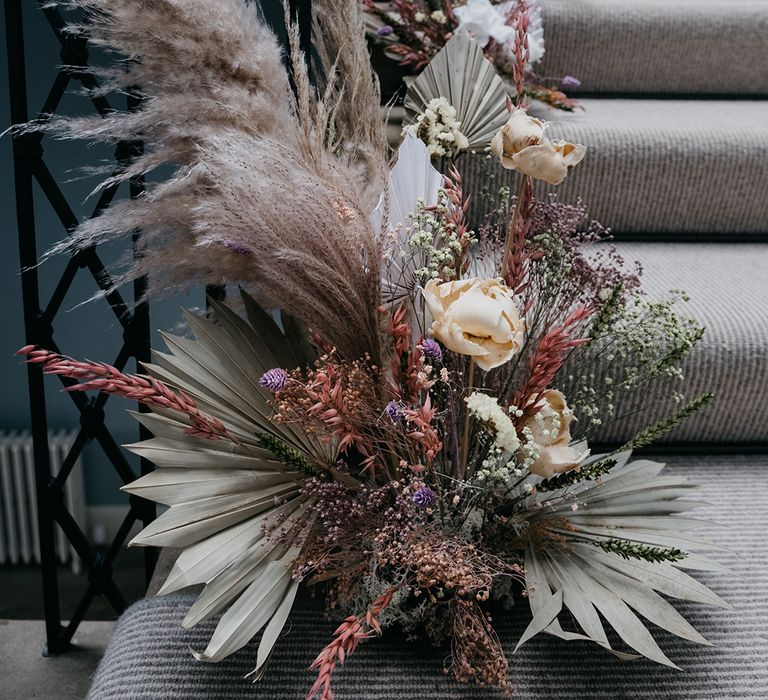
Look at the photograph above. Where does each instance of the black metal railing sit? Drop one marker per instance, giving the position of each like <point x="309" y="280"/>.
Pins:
<point x="40" y="316"/>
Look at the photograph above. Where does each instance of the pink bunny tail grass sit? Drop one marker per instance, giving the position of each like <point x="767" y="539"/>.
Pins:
<point x="520" y="51"/>
<point x="110" y="380"/>
<point x="550" y="356"/>
<point x="347" y="637"/>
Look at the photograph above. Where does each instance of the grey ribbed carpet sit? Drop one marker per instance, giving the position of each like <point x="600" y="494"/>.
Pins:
<point x="148" y="656"/>
<point x="678" y="46"/>
<point x="661" y="166"/>
<point x="729" y="296"/>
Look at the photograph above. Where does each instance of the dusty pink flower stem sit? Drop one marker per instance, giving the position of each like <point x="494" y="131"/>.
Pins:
<point x="110" y="380"/>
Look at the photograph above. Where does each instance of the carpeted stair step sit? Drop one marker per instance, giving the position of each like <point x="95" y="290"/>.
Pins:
<point x="662" y="166"/>
<point x="658" y="46"/>
<point x="729" y="296"/>
<point x="149" y="655"/>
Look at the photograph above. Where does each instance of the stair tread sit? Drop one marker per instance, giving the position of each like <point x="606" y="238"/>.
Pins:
<point x="728" y="296"/>
<point x="664" y="166"/>
<point x="149" y="649"/>
<point x="665" y="46"/>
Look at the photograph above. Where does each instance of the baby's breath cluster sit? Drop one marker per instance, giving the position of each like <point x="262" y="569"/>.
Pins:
<point x="486" y="409"/>
<point x="436" y="241"/>
<point x="437" y="127"/>
<point x="640" y="343"/>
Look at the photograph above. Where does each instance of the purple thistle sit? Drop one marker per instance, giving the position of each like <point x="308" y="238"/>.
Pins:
<point x="424" y="497"/>
<point x="238" y="248"/>
<point x="274" y="379"/>
<point x="386" y="30"/>
<point x="394" y="411"/>
<point x="569" y="82"/>
<point x="431" y="350"/>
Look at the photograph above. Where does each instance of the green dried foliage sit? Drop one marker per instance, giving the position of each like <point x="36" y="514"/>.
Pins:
<point x="588" y="472"/>
<point x="288" y="455"/>
<point x="636" y="550"/>
<point x="658" y="429"/>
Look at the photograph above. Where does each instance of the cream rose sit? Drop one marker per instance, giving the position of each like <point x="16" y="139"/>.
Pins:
<point x="550" y="429"/>
<point x="475" y="317"/>
<point x="521" y="145"/>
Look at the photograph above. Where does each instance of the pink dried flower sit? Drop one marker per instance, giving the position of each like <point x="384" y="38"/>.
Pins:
<point x="348" y="636"/>
<point x="550" y="355"/>
<point x="110" y="380"/>
<point x="424" y="432"/>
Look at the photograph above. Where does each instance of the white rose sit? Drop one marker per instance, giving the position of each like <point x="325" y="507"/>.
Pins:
<point x="476" y="317"/>
<point x="482" y="21"/>
<point x="521" y="145"/>
<point x="550" y="429"/>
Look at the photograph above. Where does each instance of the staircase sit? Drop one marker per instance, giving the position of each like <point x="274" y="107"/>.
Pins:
<point x="675" y="97"/>
<point x="676" y="121"/>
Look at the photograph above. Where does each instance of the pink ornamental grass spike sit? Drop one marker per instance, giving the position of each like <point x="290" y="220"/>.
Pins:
<point x="353" y="630"/>
<point x="550" y="355"/>
<point x="144" y="389"/>
<point x="520" y="51"/>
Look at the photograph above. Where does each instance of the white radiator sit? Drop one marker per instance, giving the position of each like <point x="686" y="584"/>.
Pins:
<point x="19" y="542"/>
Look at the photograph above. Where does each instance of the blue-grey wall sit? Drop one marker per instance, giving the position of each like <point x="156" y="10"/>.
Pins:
<point x="88" y="330"/>
<point x="82" y="329"/>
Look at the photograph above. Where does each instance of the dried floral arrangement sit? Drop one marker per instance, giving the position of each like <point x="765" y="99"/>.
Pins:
<point x="510" y="32"/>
<point x="410" y="433"/>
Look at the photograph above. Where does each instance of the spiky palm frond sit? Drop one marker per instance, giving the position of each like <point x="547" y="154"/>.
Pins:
<point x="566" y="566"/>
<point x="235" y="508"/>
<point x="413" y="183"/>
<point x="462" y="74"/>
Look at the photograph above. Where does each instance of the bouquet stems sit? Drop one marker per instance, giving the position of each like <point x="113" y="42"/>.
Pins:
<point x="467" y="420"/>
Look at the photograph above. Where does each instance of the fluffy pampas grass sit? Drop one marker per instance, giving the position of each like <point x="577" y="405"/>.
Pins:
<point x="261" y="193"/>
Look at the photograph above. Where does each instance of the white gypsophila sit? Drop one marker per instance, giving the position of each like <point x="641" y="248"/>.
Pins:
<point x="439" y="17"/>
<point x="484" y="21"/>
<point x="486" y="409"/>
<point x="438" y="128"/>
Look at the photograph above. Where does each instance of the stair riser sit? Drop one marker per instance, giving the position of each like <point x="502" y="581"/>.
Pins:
<point x="658" y="46"/>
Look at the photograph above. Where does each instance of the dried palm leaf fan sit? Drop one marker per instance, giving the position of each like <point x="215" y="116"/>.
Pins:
<point x="462" y="74"/>
<point x="632" y="503"/>
<point x="223" y="495"/>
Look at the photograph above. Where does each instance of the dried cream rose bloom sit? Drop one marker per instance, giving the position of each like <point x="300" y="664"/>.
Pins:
<point x="475" y="317"/>
<point x="521" y="145"/>
<point x="550" y="429"/>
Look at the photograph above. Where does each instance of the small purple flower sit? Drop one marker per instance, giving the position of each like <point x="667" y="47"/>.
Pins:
<point x="424" y="497"/>
<point x="386" y="30"/>
<point x="394" y="411"/>
<point x="431" y="350"/>
<point x="274" y="379"/>
<point x="569" y="82"/>
<point x="238" y="248"/>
